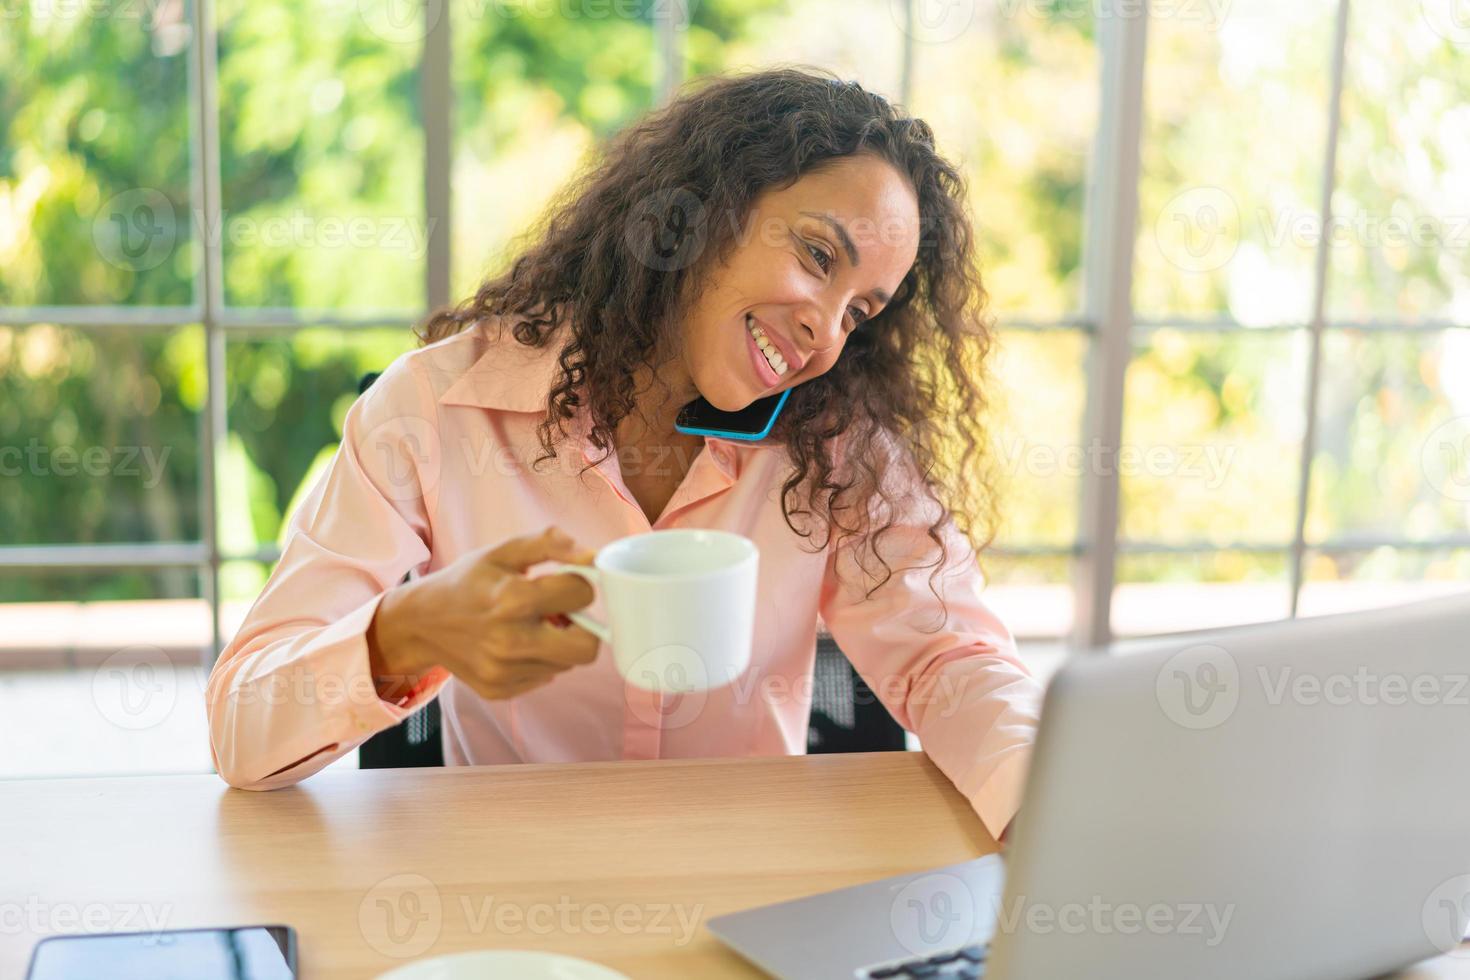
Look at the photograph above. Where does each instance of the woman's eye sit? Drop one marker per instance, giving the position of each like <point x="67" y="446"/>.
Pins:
<point x="822" y="259"/>
<point x="858" y="316"/>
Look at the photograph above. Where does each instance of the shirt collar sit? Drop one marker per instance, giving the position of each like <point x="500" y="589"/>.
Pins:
<point x="509" y="376"/>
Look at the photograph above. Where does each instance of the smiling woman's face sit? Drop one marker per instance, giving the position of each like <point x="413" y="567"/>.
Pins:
<point x="813" y="261"/>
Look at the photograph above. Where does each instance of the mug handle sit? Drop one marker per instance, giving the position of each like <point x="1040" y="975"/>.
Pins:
<point x="583" y="620"/>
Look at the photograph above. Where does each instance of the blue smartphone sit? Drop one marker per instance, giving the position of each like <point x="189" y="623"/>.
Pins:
<point x="754" y="421"/>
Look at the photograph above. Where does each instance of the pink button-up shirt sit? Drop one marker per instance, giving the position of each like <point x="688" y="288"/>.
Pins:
<point x="436" y="461"/>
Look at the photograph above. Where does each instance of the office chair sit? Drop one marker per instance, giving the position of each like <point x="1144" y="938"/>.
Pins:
<point x="846" y="715"/>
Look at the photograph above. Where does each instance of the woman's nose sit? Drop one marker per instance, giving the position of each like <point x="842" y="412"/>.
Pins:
<point x="823" y="329"/>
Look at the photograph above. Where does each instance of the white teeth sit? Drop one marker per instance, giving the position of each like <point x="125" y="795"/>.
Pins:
<point x="772" y="352"/>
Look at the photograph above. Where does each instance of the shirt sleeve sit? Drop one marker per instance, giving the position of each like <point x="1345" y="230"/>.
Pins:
<point x="961" y="688"/>
<point x="293" y="690"/>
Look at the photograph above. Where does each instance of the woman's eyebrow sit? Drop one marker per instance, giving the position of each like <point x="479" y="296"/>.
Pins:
<point x="847" y="246"/>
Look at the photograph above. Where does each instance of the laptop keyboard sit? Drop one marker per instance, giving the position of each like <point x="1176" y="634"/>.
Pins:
<point x="965" y="963"/>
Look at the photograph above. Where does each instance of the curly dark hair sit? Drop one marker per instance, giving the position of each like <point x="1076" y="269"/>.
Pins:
<point x="910" y="377"/>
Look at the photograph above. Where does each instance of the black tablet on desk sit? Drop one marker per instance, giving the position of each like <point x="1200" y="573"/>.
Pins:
<point x="229" y="953"/>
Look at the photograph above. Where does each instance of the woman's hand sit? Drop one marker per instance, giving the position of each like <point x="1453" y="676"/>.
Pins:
<point x="484" y="621"/>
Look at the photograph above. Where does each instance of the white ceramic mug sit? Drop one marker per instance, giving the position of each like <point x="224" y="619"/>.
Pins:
<point x="680" y="607"/>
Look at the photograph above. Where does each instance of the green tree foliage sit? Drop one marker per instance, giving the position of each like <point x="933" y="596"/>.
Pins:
<point x="321" y="146"/>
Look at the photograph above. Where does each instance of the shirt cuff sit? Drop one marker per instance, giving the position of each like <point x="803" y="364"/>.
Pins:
<point x="999" y="797"/>
<point x="344" y="658"/>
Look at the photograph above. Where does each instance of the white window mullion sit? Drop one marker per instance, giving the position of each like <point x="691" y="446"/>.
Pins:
<point x="1112" y="216"/>
<point x="1319" y="303"/>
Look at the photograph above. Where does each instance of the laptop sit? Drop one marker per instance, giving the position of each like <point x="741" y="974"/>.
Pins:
<point x="1273" y="802"/>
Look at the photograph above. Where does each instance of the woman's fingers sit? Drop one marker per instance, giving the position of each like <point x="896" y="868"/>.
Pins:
<point x="526" y="598"/>
<point x="506" y="678"/>
<point x="507" y="682"/>
<point x="519" y="554"/>
<point x="571" y="646"/>
<point x="512" y="672"/>
<point x="541" y="642"/>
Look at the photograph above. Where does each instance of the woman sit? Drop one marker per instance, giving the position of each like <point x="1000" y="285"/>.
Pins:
<point x="771" y="231"/>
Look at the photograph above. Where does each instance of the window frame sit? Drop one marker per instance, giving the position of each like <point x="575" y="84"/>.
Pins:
<point x="1106" y="319"/>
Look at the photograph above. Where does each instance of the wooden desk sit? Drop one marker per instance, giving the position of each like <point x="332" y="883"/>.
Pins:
<point x="598" y="860"/>
<point x="620" y="863"/>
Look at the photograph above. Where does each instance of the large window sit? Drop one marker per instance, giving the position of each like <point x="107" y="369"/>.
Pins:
<point x="1226" y="247"/>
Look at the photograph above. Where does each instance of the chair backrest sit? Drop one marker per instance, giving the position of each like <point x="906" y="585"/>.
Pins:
<point x="413" y="743"/>
<point x="846" y="715"/>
